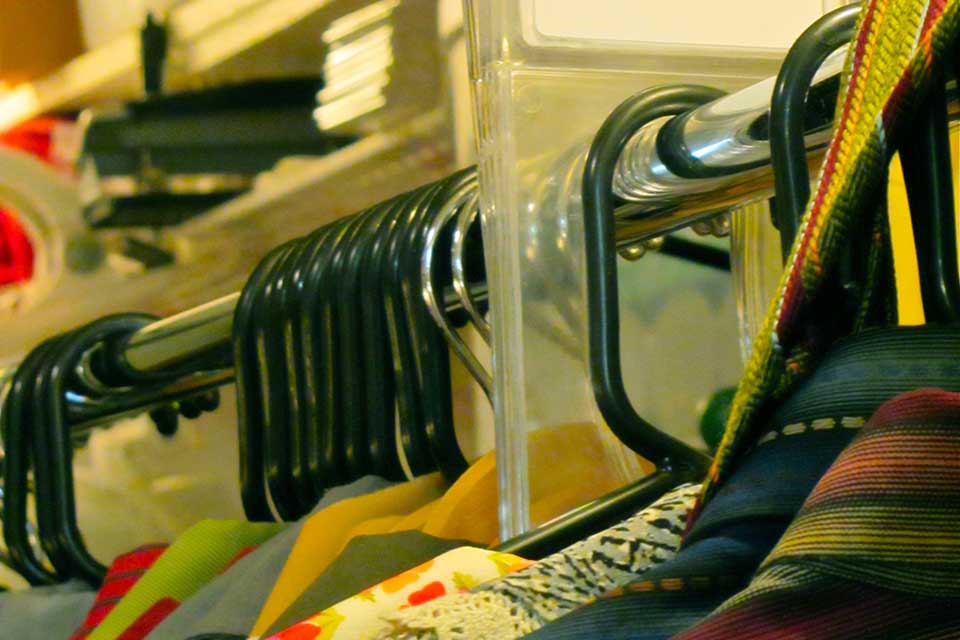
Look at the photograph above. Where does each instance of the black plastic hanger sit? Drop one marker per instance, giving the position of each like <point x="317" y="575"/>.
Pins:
<point x="350" y="421"/>
<point x="364" y="391"/>
<point x="676" y="462"/>
<point x="430" y="355"/>
<point x="274" y="388"/>
<point x="603" y="304"/>
<point x="428" y="358"/>
<point x="377" y="454"/>
<point x="16" y="467"/>
<point x="384" y="332"/>
<point x="67" y="545"/>
<point x="380" y="404"/>
<point x="253" y="491"/>
<point x="322" y="406"/>
<point x="42" y="414"/>
<point x="306" y="447"/>
<point x="411" y="399"/>
<point x="286" y="319"/>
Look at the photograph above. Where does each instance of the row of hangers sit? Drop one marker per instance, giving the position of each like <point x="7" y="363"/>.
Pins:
<point x="338" y="337"/>
<point x="341" y="349"/>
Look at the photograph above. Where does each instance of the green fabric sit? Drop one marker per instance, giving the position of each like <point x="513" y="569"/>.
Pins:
<point x="197" y="557"/>
<point x="714" y="418"/>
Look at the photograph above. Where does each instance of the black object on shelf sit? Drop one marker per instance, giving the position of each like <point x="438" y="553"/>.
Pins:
<point x="168" y="158"/>
<point x="153" y="209"/>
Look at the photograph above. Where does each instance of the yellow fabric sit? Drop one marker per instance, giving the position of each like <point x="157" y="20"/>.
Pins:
<point x="323" y="536"/>
<point x="469" y="497"/>
<point x="416" y="520"/>
<point x="909" y="303"/>
<point x="563" y="476"/>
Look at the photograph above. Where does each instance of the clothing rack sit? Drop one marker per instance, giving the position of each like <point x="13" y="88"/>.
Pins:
<point x="723" y="138"/>
<point x="717" y="156"/>
<point x="188" y="339"/>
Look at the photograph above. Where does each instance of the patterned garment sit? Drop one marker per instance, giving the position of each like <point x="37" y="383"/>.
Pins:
<point x="198" y="556"/>
<point x="230" y="602"/>
<point x="899" y="49"/>
<point x="525" y="601"/>
<point x="360" y="617"/>
<point x="123" y="573"/>
<point x="736" y="531"/>
<point x="875" y="550"/>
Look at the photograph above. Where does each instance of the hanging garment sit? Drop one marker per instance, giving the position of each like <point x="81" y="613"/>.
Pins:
<point x="44" y="613"/>
<point x="323" y="536"/>
<point x="230" y="602"/>
<point x="750" y="512"/>
<point x="524" y="601"/>
<point x="897" y="46"/>
<point x="875" y="551"/>
<point x="469" y="509"/>
<point x="124" y="572"/>
<point x="360" y="617"/>
<point x="192" y="561"/>
<point x="722" y="551"/>
<point x="366" y="561"/>
<point x="466" y="511"/>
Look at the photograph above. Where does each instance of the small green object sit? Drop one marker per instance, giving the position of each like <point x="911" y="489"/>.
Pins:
<point x="714" y="418"/>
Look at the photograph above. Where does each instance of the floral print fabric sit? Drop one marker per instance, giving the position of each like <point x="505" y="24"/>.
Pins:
<point x="361" y="616"/>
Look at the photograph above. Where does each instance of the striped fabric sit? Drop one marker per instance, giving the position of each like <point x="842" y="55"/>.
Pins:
<point x="123" y="573"/>
<point x="875" y="550"/>
<point x="149" y="619"/>
<point x="899" y="49"/>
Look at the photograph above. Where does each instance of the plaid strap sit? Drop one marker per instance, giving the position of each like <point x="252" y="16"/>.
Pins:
<point x="899" y="46"/>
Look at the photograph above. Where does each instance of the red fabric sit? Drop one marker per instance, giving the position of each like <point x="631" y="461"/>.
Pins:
<point x="302" y="631"/>
<point x="33" y="136"/>
<point x="150" y="618"/>
<point x="123" y="573"/>
<point x="16" y="252"/>
<point x="430" y="592"/>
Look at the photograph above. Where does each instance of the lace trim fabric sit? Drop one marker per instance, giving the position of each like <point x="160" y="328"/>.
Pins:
<point x="521" y="603"/>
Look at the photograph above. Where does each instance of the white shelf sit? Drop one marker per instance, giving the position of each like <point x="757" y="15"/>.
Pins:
<point x="204" y="34"/>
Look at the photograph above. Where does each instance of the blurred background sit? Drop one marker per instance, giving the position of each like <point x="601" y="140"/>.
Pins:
<point x="152" y="151"/>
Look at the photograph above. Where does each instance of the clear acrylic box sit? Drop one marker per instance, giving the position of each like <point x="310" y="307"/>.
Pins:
<point x="546" y="73"/>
